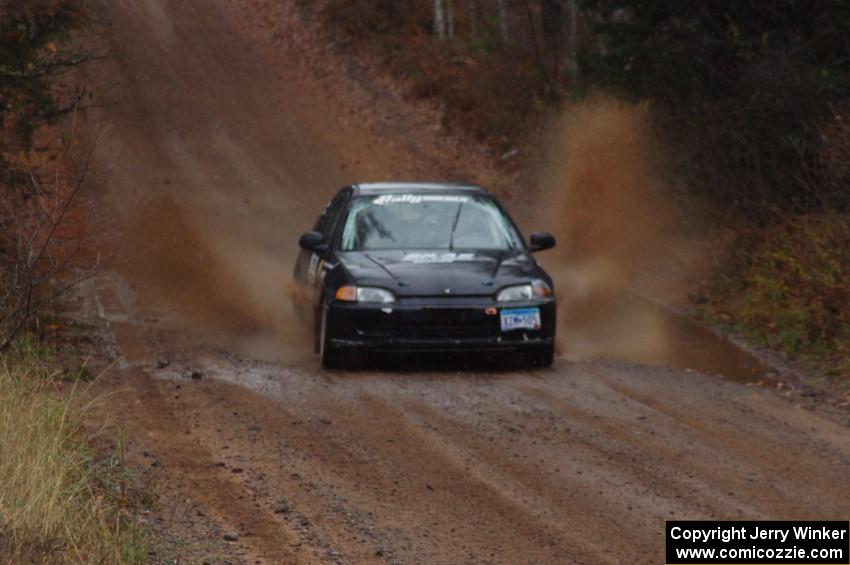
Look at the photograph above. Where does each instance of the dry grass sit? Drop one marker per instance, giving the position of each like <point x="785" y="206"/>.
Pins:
<point x="54" y="501"/>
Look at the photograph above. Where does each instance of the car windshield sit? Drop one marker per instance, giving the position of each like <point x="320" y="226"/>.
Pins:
<point x="427" y="221"/>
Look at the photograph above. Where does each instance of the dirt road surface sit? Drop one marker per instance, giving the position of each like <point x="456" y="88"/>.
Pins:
<point x="232" y="128"/>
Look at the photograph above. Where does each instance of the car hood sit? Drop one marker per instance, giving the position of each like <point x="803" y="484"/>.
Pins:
<point x="439" y="273"/>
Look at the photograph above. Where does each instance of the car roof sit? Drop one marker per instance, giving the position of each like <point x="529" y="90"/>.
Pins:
<point x="396" y="187"/>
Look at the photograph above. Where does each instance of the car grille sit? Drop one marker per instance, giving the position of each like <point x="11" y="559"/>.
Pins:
<point x="446" y="323"/>
<point x="419" y="331"/>
<point x="430" y="323"/>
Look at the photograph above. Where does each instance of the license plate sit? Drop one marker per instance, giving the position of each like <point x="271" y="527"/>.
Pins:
<point x="520" y="319"/>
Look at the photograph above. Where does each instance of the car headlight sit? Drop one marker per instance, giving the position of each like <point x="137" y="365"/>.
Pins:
<point x="519" y="293"/>
<point x="515" y="293"/>
<point x="364" y="294"/>
<point x="541" y="289"/>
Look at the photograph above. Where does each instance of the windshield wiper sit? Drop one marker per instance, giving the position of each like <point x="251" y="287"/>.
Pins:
<point x="454" y="227"/>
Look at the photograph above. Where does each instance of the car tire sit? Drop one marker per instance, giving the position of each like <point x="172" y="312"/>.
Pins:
<point x="317" y="330"/>
<point x="540" y="356"/>
<point x="331" y="357"/>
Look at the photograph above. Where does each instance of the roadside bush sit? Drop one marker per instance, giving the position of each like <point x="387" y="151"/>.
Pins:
<point x="40" y="242"/>
<point x="54" y="507"/>
<point x="792" y="289"/>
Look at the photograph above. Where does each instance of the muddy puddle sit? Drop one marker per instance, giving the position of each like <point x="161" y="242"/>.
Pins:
<point x="700" y="349"/>
<point x="632" y="328"/>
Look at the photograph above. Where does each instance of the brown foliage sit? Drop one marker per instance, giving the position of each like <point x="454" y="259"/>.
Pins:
<point x="41" y="240"/>
<point x="489" y="86"/>
<point x="790" y="288"/>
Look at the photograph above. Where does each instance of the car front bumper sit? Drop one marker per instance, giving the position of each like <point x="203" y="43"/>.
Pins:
<point x="450" y="324"/>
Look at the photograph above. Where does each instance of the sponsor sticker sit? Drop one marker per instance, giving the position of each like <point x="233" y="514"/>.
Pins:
<point x="418" y="198"/>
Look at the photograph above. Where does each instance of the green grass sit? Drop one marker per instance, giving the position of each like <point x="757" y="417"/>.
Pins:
<point x="59" y="502"/>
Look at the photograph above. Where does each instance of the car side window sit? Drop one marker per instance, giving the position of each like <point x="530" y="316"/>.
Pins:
<point x="328" y="221"/>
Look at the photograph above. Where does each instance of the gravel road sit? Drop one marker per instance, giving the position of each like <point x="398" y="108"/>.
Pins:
<point x="225" y="141"/>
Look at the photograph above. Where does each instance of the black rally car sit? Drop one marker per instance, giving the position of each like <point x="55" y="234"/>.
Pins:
<point x="423" y="267"/>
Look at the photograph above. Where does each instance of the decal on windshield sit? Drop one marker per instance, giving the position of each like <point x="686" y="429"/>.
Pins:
<point x="418" y="198"/>
<point x="437" y="257"/>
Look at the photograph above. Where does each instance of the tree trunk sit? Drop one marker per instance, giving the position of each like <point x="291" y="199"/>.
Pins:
<point x="439" y="20"/>
<point x="552" y="22"/>
<point x="572" y="55"/>
<point x="503" y="19"/>
<point x="472" y="16"/>
<point x="539" y="54"/>
<point x="450" y="18"/>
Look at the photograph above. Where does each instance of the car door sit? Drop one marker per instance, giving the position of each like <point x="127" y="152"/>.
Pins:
<point x="309" y="266"/>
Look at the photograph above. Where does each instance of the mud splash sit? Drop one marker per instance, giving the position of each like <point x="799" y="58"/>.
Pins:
<point x="621" y="250"/>
<point x="216" y="285"/>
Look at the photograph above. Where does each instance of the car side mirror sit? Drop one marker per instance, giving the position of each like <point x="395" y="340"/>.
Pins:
<point x="541" y="241"/>
<point x="315" y="242"/>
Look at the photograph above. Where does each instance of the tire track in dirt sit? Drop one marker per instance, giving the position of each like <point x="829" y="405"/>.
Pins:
<point x="797" y="495"/>
<point x="194" y="474"/>
<point x="663" y="462"/>
<point x="446" y="488"/>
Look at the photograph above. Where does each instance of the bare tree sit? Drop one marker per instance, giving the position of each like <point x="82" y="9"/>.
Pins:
<point x="559" y="30"/>
<point x="472" y="16"/>
<point x="444" y="19"/>
<point x="439" y="20"/>
<point x="552" y="24"/>
<point x="40" y="253"/>
<point x="40" y="257"/>
<point x="502" y="13"/>
<point x="572" y="34"/>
